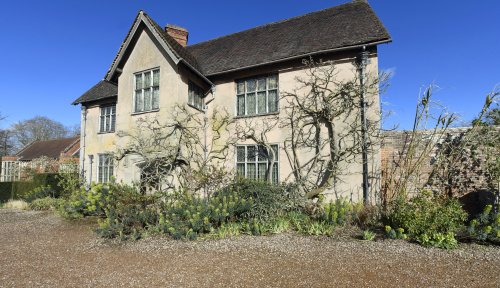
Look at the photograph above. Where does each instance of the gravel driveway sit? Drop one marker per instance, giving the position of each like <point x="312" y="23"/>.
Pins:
<point x="42" y="250"/>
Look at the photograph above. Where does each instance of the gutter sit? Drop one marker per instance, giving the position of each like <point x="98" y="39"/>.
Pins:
<point x="304" y="55"/>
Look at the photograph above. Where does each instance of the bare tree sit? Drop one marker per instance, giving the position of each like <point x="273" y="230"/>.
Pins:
<point x="257" y="130"/>
<point x="188" y="150"/>
<point x="323" y="115"/>
<point x="36" y="129"/>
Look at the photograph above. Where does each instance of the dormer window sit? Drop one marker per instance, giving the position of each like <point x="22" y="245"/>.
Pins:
<point x="195" y="96"/>
<point x="147" y="90"/>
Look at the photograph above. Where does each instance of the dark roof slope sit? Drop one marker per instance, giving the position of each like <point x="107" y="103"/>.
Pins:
<point x="103" y="89"/>
<point x="342" y="26"/>
<point x="48" y="148"/>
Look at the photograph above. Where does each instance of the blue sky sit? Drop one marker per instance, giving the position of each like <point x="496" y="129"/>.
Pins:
<point x="53" y="51"/>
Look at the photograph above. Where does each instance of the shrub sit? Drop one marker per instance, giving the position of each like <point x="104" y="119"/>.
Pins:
<point x="340" y="212"/>
<point x="38" y="192"/>
<point x="368" y="235"/>
<point x="47" y="203"/>
<point x="398" y="233"/>
<point x="486" y="227"/>
<point x="268" y="200"/>
<point x="429" y="220"/>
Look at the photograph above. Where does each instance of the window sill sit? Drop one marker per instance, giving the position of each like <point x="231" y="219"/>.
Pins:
<point x="196" y="108"/>
<point x="144" y="112"/>
<point x="257" y="115"/>
<point x="102" y="133"/>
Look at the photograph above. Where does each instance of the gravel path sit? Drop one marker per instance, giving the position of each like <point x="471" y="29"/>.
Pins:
<point x="39" y="249"/>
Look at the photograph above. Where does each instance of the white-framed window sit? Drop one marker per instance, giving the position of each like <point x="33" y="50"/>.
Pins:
<point x="254" y="161"/>
<point x="105" y="168"/>
<point x="107" y="119"/>
<point x="257" y="96"/>
<point x="147" y="90"/>
<point x="195" y="96"/>
<point x="11" y="171"/>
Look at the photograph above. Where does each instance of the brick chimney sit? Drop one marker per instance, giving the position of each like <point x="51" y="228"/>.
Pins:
<point x="178" y="33"/>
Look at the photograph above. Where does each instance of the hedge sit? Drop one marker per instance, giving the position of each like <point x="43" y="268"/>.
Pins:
<point x="15" y="190"/>
<point x="5" y="191"/>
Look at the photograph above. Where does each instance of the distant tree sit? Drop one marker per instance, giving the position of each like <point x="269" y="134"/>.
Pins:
<point x="36" y="129"/>
<point x="6" y="144"/>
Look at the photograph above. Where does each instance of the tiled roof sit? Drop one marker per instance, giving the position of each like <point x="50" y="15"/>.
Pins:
<point x="341" y="27"/>
<point x="49" y="148"/>
<point x="103" y="89"/>
<point x="346" y="25"/>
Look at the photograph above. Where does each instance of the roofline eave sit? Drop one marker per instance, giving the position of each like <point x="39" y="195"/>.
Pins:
<point x="388" y="40"/>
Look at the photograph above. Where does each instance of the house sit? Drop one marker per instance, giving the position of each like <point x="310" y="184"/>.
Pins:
<point x="42" y="156"/>
<point x="156" y="69"/>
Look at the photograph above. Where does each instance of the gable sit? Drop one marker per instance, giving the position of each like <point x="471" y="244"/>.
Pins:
<point x="176" y="53"/>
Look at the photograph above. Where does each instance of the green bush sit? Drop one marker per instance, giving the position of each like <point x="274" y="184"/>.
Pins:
<point x="340" y="212"/>
<point x="368" y="235"/>
<point x="22" y="188"/>
<point x="429" y="220"/>
<point x="39" y="192"/>
<point x="268" y="200"/>
<point x="486" y="227"/>
<point x="47" y="203"/>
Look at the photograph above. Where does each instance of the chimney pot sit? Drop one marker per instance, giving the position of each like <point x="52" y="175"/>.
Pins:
<point x="178" y="33"/>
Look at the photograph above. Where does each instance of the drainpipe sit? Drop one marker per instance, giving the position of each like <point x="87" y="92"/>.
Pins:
<point x="362" y="62"/>
<point x="91" y="162"/>
<point x="82" y="142"/>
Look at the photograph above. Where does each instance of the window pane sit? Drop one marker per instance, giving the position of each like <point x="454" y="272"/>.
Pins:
<point x="147" y="79"/>
<point x="101" y="124"/>
<point x="138" y="81"/>
<point x="240" y="153"/>
<point x="111" y="169"/>
<point x="251" y="153"/>
<point x="261" y="175"/>
<point x="241" y="105"/>
<point x="156" y="77"/>
<point x="261" y="102"/>
<point x="113" y="109"/>
<point x="251" y="104"/>
<point x="275" y="150"/>
<point x="273" y="100"/>
<point x="156" y="98"/>
<point x="240" y="169"/>
<point x="199" y="100"/>
<point x="113" y="122"/>
<point x="108" y="122"/>
<point x="274" y="173"/>
<point x="240" y="87"/>
<point x="250" y="85"/>
<point x="190" y="96"/>
<point x="262" y="154"/>
<point x="251" y="171"/>
<point x="147" y="100"/>
<point x="138" y="101"/>
<point x="261" y="84"/>
<point x="272" y="82"/>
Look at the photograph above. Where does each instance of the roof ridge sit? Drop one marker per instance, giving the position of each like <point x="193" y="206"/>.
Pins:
<point x="277" y="22"/>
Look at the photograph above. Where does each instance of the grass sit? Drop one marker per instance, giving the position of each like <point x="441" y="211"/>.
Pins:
<point x="16" y="204"/>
